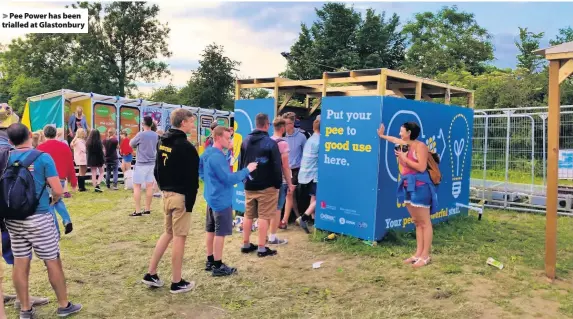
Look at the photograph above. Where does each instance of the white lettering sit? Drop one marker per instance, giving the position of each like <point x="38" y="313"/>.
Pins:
<point x="335" y="161"/>
<point x="357" y="116"/>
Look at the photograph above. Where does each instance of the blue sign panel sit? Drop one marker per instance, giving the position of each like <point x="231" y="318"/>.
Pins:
<point x="245" y="113"/>
<point x="447" y="131"/>
<point x="348" y="165"/>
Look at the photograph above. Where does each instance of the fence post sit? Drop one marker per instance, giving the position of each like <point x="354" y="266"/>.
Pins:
<point x="485" y="156"/>
<point x="508" y="134"/>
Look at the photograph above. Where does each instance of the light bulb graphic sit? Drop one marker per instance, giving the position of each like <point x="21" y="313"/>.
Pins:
<point x="458" y="137"/>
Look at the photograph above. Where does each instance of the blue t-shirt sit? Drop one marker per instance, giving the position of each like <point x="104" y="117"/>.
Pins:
<point x="42" y="169"/>
<point x="309" y="165"/>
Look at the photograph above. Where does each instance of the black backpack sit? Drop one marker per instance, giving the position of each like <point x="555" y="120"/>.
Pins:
<point x="18" y="198"/>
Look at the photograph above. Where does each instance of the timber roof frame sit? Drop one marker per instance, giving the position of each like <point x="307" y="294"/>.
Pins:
<point x="367" y="82"/>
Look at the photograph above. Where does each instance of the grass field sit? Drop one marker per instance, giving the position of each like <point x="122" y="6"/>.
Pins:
<point x="108" y="252"/>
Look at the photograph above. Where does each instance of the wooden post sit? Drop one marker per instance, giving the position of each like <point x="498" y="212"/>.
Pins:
<point x="237" y="90"/>
<point x="276" y="95"/>
<point x="448" y="99"/>
<point x="471" y="100"/>
<point x="552" y="167"/>
<point x="382" y="83"/>
<point x="324" y="83"/>
<point x="418" y="91"/>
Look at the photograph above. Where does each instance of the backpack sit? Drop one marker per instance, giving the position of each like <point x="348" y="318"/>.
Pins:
<point x="18" y="198"/>
<point x="434" y="168"/>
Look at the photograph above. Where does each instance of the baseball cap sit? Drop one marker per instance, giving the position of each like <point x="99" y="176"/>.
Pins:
<point x="7" y="116"/>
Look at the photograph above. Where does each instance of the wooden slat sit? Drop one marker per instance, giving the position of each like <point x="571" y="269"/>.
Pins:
<point x="471" y="101"/>
<point x="565" y="70"/>
<point x="552" y="170"/>
<point x="426" y="97"/>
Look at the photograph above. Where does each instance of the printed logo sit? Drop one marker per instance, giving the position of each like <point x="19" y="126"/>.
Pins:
<point x="341" y="221"/>
<point x="322" y="204"/>
<point x="362" y="225"/>
<point x="327" y="217"/>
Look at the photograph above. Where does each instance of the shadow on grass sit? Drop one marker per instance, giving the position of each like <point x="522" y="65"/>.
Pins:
<point x="515" y="239"/>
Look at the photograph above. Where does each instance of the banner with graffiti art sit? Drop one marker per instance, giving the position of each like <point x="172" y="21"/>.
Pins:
<point x="245" y="114"/>
<point x="156" y="113"/>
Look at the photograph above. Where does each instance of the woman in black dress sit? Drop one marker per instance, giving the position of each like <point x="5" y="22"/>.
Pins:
<point x="95" y="154"/>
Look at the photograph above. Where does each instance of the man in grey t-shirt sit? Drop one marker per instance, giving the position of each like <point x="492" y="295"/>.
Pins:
<point x="146" y="144"/>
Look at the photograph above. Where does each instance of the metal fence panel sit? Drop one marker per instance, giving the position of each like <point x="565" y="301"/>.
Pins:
<point x="509" y="159"/>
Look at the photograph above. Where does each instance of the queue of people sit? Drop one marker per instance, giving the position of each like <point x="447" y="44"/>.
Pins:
<point x="271" y="168"/>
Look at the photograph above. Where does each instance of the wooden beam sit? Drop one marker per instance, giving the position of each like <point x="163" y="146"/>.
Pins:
<point x="398" y="85"/>
<point x="426" y="97"/>
<point x="448" y="97"/>
<point x="352" y="74"/>
<point x="237" y="90"/>
<point x="307" y="101"/>
<point x="395" y="92"/>
<point x="288" y="97"/>
<point x="418" y="91"/>
<point x="565" y="70"/>
<point x="382" y="83"/>
<point x="553" y="121"/>
<point x="559" y="56"/>
<point x="315" y="106"/>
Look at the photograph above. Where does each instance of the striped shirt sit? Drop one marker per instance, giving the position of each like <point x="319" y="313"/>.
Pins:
<point x="309" y="164"/>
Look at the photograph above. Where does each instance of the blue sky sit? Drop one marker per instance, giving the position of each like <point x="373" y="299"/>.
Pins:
<point x="500" y="19"/>
<point x="255" y="33"/>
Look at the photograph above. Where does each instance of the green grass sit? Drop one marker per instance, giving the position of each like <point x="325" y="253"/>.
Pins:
<point x="515" y="176"/>
<point x="108" y="252"/>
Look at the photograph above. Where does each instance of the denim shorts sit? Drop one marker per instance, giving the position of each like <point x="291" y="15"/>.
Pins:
<point x="128" y="158"/>
<point x="282" y="196"/>
<point x="420" y="197"/>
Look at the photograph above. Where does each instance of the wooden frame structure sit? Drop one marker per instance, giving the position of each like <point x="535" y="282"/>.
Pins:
<point x="374" y="82"/>
<point x="560" y="68"/>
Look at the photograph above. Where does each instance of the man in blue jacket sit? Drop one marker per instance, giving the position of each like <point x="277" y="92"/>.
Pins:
<point x="218" y="192"/>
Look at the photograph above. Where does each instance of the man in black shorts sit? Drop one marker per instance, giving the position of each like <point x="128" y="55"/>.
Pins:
<point x="218" y="192"/>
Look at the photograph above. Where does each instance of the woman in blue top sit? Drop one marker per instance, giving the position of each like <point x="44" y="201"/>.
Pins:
<point x="416" y="187"/>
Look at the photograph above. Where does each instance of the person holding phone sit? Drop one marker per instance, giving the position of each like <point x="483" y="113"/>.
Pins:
<point x="415" y="187"/>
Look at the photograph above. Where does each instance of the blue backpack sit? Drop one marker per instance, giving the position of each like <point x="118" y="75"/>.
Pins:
<point x="18" y="198"/>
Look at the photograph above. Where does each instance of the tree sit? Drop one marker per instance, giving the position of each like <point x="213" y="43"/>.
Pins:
<point x="341" y="40"/>
<point x="449" y="39"/>
<point x="169" y="94"/>
<point x="565" y="35"/>
<point x="125" y="42"/>
<point x="528" y="42"/>
<point x="213" y="82"/>
<point x="380" y="44"/>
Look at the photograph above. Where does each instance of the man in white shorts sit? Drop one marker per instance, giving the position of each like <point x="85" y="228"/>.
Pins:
<point x="146" y="144"/>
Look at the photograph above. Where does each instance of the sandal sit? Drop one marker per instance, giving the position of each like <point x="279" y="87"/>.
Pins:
<point x="421" y="262"/>
<point x="411" y="260"/>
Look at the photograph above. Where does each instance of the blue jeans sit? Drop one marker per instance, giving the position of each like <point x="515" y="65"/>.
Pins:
<point x="62" y="210"/>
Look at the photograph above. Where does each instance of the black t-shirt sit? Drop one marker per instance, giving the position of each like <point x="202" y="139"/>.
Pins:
<point x="110" y="146"/>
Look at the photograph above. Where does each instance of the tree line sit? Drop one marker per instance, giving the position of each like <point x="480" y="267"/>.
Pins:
<point x="127" y="44"/>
